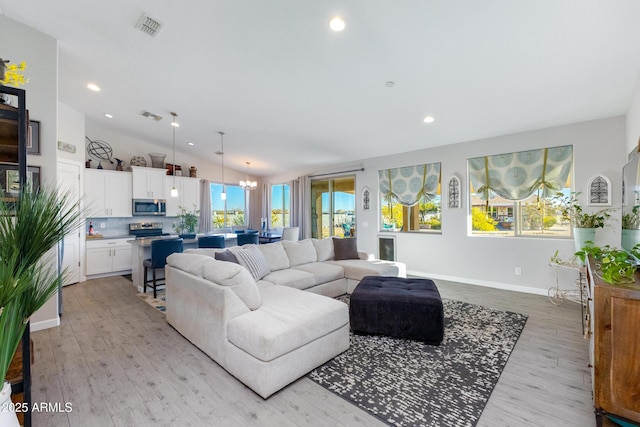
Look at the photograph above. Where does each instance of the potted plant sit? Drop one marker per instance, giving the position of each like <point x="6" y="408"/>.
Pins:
<point x="29" y="229"/>
<point x="584" y="223"/>
<point x="631" y="228"/>
<point x="615" y="265"/>
<point x="187" y="223"/>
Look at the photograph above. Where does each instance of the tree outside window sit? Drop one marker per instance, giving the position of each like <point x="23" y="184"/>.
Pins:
<point x="280" y="205"/>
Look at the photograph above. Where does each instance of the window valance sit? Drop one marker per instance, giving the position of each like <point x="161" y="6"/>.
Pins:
<point x="516" y="176"/>
<point x="408" y="185"/>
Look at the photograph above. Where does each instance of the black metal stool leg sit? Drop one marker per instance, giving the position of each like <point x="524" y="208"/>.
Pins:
<point x="155" y="292"/>
<point x="144" y="281"/>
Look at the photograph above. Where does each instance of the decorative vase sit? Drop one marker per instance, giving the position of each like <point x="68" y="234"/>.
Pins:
<point x="157" y="160"/>
<point x="138" y="161"/>
<point x="193" y="171"/>
<point x="8" y="417"/>
<point x="582" y="235"/>
<point x="630" y="238"/>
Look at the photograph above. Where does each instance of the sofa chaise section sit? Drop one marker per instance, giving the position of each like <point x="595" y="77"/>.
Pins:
<point x="265" y="335"/>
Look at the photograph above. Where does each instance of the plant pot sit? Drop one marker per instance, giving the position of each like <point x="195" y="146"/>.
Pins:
<point x="582" y="235"/>
<point x="8" y="417"/>
<point x="187" y="235"/>
<point x="630" y="238"/>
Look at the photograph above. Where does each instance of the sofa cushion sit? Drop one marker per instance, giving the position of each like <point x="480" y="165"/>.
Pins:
<point x="276" y="256"/>
<point x="226" y="255"/>
<point x="250" y="257"/>
<point x="356" y="269"/>
<point x="288" y="319"/>
<point x="323" y="271"/>
<point x="237" y="278"/>
<point x="191" y="263"/>
<point x="292" y="278"/>
<point x="324" y="249"/>
<point x="345" y="248"/>
<point x="301" y="252"/>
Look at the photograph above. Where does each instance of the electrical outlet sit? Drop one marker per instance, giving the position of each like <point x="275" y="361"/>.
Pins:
<point x="518" y="271"/>
<point x="365" y="224"/>
<point x="103" y="224"/>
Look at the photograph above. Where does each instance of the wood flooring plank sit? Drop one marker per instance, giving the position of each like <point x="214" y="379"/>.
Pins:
<point x="119" y="363"/>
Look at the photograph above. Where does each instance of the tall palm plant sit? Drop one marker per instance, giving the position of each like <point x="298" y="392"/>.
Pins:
<point x="29" y="229"/>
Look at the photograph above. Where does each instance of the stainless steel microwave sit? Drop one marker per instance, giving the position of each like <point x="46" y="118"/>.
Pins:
<point x="149" y="207"/>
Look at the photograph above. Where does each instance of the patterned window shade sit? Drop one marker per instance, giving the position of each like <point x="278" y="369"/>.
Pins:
<point x="516" y="176"/>
<point x="409" y="184"/>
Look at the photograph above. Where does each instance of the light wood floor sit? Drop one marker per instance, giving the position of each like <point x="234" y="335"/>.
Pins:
<point x="117" y="362"/>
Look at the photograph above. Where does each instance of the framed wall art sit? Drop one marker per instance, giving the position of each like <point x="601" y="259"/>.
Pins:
<point x="33" y="137"/>
<point x="454" y="190"/>
<point x="10" y="180"/>
<point x="599" y="191"/>
<point x="366" y="199"/>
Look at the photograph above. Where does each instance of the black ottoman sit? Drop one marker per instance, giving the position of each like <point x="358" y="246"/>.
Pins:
<point x="398" y="307"/>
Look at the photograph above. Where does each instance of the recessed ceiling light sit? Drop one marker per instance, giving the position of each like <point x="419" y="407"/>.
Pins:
<point x="429" y="119"/>
<point x="390" y="84"/>
<point x="94" y="87"/>
<point x="108" y="116"/>
<point x="191" y="144"/>
<point x="175" y="124"/>
<point x="337" y="24"/>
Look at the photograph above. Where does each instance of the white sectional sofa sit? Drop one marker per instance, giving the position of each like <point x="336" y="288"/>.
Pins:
<point x="255" y="318"/>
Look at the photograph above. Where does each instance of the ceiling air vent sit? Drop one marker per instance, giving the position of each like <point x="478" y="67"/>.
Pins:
<point x="148" y="25"/>
<point x="151" y="115"/>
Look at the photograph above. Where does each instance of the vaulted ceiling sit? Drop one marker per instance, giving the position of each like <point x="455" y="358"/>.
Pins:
<point x="291" y="93"/>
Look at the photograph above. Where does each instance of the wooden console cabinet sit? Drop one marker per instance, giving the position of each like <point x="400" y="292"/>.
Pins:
<point x="615" y="347"/>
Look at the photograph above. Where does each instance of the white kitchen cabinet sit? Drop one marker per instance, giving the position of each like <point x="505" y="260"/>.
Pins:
<point x="188" y="194"/>
<point x="108" y="193"/>
<point x="148" y="183"/>
<point x="108" y="256"/>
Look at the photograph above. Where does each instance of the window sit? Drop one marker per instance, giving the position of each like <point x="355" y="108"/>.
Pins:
<point x="280" y="205"/>
<point x="229" y="212"/>
<point x="411" y="198"/>
<point x="511" y="194"/>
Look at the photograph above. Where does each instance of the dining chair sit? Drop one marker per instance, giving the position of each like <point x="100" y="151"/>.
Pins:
<point x="291" y="233"/>
<point x="211" y="242"/>
<point x="246" y="238"/>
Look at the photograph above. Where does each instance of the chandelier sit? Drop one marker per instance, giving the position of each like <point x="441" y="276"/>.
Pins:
<point x="223" y="195"/>
<point x="247" y="184"/>
<point x="174" y="125"/>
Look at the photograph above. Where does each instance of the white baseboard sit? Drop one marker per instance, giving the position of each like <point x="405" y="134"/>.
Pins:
<point x="488" y="284"/>
<point x="45" y="324"/>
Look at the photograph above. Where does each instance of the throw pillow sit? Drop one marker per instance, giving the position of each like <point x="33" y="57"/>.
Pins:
<point x="235" y="277"/>
<point x="252" y="259"/>
<point x="226" y="256"/>
<point x="345" y="248"/>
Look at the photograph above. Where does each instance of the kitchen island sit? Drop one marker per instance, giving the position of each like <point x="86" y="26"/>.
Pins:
<point x="141" y="250"/>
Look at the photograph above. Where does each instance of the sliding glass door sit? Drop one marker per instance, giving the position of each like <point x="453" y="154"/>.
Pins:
<point x="333" y="207"/>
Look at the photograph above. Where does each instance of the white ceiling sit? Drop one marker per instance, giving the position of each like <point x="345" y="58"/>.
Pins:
<point x="290" y="93"/>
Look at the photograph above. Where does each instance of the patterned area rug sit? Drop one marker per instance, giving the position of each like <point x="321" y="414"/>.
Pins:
<point x="408" y="383"/>
<point x="157" y="303"/>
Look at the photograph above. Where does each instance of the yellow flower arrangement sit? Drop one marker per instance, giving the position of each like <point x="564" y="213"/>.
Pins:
<point x="13" y="76"/>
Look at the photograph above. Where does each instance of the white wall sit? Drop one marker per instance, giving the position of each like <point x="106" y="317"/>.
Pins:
<point x="71" y="131"/>
<point x="633" y="120"/>
<point x="21" y="43"/>
<point x="599" y="148"/>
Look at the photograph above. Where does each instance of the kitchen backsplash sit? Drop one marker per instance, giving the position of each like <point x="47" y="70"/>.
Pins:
<point x="119" y="227"/>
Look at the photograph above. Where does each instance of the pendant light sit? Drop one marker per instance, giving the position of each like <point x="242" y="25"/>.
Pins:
<point x="223" y="195"/>
<point x="247" y="184"/>
<point x="174" y="125"/>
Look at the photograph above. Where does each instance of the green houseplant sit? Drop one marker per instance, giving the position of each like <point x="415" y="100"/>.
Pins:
<point x="584" y="223"/>
<point x="615" y="265"/>
<point x="631" y="228"/>
<point x="187" y="222"/>
<point x="29" y="229"/>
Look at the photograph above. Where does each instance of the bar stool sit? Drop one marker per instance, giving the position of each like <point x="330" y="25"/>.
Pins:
<point x="160" y="250"/>
<point x="246" y="238"/>
<point x="211" y="242"/>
